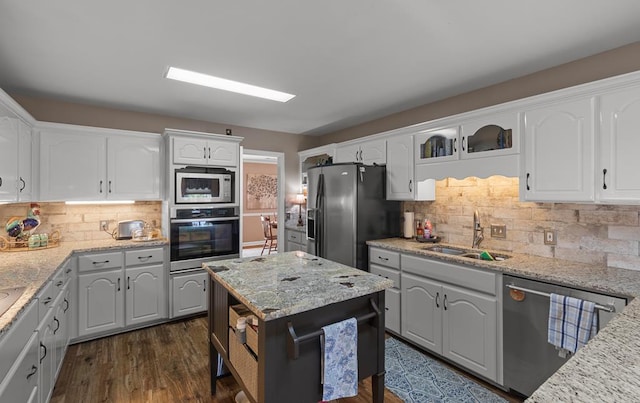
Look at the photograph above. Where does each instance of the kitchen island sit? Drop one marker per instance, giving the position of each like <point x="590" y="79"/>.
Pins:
<point x="293" y="295"/>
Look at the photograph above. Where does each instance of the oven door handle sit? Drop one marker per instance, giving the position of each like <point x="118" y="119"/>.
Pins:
<point x="188" y="220"/>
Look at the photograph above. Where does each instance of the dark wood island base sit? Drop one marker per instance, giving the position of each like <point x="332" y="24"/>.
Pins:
<point x="289" y="354"/>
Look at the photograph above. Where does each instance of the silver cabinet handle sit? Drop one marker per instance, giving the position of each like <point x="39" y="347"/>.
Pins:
<point x="145" y="257"/>
<point x="102" y="262"/>
<point x="386" y="259"/>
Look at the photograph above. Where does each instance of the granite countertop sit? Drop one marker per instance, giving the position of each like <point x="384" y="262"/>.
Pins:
<point x="607" y="368"/>
<point x="284" y="284"/>
<point x="33" y="268"/>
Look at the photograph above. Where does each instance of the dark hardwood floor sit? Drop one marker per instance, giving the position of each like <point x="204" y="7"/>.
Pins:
<point x="165" y="363"/>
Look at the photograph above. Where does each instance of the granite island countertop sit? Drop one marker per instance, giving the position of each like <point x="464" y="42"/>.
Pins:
<point x="287" y="283"/>
<point x="33" y="268"/>
<point x="608" y="367"/>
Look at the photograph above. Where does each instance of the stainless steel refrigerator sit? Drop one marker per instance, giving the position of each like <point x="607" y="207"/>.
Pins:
<point x="346" y="207"/>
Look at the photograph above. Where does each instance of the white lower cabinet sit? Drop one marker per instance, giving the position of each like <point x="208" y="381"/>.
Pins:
<point x="47" y="356"/>
<point x="457" y="321"/>
<point x="188" y="294"/>
<point x="117" y="291"/>
<point x="386" y="264"/>
<point x="21" y="383"/>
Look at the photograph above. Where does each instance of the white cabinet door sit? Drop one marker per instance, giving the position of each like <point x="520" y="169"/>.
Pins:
<point x="189" y="151"/>
<point x="8" y="158"/>
<point x="469" y="330"/>
<point x="347" y="153"/>
<point x="400" y="184"/>
<point x="617" y="179"/>
<point x="47" y="357"/>
<point x="133" y="165"/>
<point x="21" y="383"/>
<point x="421" y="311"/>
<point x="223" y="153"/>
<point x="373" y="152"/>
<point x="559" y="162"/>
<point x="189" y="294"/>
<point x="146" y="299"/>
<point x="437" y="145"/>
<point x="72" y="166"/>
<point x="25" y="174"/>
<point x="495" y="134"/>
<point x="61" y="332"/>
<point x="366" y="152"/>
<point x="101" y="302"/>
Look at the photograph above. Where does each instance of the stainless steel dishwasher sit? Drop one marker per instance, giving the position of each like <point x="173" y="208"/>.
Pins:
<point x="528" y="358"/>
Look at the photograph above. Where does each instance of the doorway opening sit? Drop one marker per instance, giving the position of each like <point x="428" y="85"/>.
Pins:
<point x="262" y="194"/>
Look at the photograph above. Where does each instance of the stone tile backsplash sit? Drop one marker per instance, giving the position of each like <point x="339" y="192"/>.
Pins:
<point x="82" y="222"/>
<point x="589" y="233"/>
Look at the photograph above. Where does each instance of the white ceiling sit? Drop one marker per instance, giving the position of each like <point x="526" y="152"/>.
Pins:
<point x="348" y="61"/>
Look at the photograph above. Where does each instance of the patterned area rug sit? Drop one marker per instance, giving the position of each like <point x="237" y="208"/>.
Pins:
<point x="417" y="378"/>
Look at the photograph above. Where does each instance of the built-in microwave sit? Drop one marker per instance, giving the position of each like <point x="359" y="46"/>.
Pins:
<point x="198" y="185"/>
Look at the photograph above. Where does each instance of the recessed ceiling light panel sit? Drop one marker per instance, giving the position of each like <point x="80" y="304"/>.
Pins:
<point x="206" y="80"/>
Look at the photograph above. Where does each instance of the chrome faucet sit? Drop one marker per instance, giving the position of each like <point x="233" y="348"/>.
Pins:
<point x="478" y="231"/>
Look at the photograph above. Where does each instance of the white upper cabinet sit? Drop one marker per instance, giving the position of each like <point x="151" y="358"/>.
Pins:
<point x="618" y="179"/>
<point x="199" y="151"/>
<point x="437" y="145"/>
<point x="80" y="163"/>
<point x="493" y="135"/>
<point x="559" y="162"/>
<point x="16" y="184"/>
<point x="368" y="152"/>
<point x="72" y="166"/>
<point x="401" y="183"/>
<point x="8" y="158"/>
<point x="133" y="167"/>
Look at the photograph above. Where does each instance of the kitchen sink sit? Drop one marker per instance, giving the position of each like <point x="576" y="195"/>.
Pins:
<point x="8" y="296"/>
<point x="461" y="252"/>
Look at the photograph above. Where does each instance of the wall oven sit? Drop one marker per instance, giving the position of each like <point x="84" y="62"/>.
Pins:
<point x="201" y="235"/>
<point x="199" y="185"/>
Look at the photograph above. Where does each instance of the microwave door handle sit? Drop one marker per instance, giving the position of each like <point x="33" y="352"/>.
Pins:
<point x="188" y="220"/>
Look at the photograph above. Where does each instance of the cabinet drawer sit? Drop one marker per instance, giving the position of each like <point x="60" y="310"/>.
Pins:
<point x="384" y="257"/>
<point x="112" y="260"/>
<point x="297" y="237"/>
<point x="45" y="299"/>
<point x="461" y="276"/>
<point x="391" y="274"/>
<point x="144" y="256"/>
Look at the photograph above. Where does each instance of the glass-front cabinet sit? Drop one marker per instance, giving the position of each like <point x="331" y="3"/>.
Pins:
<point x="495" y="134"/>
<point x="437" y="145"/>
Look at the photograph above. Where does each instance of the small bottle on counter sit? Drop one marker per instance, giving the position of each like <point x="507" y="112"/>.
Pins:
<point x="428" y="229"/>
<point x="419" y="230"/>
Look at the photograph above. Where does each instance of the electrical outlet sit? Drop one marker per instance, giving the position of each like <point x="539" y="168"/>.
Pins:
<point x="550" y="237"/>
<point x="498" y="231"/>
<point x="104" y="225"/>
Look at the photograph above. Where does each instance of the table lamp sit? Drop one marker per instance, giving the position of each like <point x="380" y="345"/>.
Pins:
<point x="300" y="199"/>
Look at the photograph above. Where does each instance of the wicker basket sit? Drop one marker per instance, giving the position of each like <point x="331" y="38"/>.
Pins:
<point x="235" y="311"/>
<point x="14" y="245"/>
<point x="245" y="363"/>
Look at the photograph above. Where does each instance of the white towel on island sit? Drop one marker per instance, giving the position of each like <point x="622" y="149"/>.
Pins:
<point x="340" y="360"/>
<point x="572" y="323"/>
